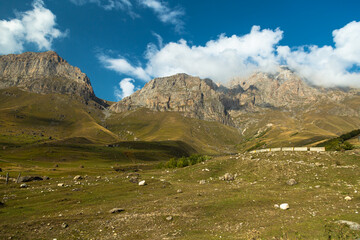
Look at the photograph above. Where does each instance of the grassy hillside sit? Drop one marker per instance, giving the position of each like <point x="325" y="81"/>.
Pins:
<point x="30" y="117"/>
<point x="146" y="125"/>
<point x="276" y="128"/>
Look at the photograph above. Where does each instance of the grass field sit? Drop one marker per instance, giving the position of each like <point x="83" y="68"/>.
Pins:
<point x="239" y="209"/>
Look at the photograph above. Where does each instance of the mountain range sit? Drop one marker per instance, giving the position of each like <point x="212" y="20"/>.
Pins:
<point x="41" y="93"/>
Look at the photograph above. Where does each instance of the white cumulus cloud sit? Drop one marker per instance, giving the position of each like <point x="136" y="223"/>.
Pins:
<point x="227" y="57"/>
<point x="328" y="66"/>
<point x="122" y="66"/>
<point x="126" y="88"/>
<point x="36" y="26"/>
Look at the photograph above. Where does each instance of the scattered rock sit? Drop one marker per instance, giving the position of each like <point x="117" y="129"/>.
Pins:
<point x="24" y="185"/>
<point x="202" y="182"/>
<point x="319" y="164"/>
<point x="348" y="198"/>
<point x="46" y="178"/>
<point x="352" y="225"/>
<point x="56" y="165"/>
<point x="30" y="178"/>
<point x="227" y="177"/>
<point x="2" y="204"/>
<point x="291" y="182"/>
<point x="133" y="177"/>
<point x="317" y="186"/>
<point x="78" y="177"/>
<point x="116" y="210"/>
<point x="169" y="218"/>
<point x="142" y="183"/>
<point x="61" y="184"/>
<point x="81" y="166"/>
<point x="276" y="206"/>
<point x="284" y="206"/>
<point x="179" y="191"/>
<point x="0" y="170"/>
<point x="64" y="225"/>
<point x="205" y="170"/>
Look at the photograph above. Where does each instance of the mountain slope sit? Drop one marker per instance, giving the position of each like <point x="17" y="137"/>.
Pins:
<point x="144" y="124"/>
<point x="41" y="116"/>
<point x="269" y="109"/>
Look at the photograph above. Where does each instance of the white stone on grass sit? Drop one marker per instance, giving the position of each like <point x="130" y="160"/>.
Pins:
<point x="348" y="198"/>
<point x="142" y="183"/>
<point x="284" y="206"/>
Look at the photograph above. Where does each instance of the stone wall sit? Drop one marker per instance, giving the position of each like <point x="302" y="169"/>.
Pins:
<point x="290" y="149"/>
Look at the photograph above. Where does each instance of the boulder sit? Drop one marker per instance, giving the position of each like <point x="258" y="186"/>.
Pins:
<point x="352" y="225"/>
<point x="30" y="178"/>
<point x="291" y="182"/>
<point x="142" y="183"/>
<point x="202" y="182"/>
<point x="284" y="206"/>
<point x="78" y="177"/>
<point x="348" y="198"/>
<point x="64" y="225"/>
<point x="24" y="185"/>
<point x="116" y="210"/>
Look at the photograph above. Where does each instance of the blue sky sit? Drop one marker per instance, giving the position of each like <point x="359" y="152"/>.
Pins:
<point x="122" y="44"/>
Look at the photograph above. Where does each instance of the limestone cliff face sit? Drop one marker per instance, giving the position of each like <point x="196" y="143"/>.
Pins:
<point x="44" y="72"/>
<point x="203" y="99"/>
<point x="284" y="89"/>
<point x="191" y="96"/>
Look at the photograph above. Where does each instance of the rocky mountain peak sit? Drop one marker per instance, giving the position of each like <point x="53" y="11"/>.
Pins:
<point x="44" y="72"/>
<point x="191" y="96"/>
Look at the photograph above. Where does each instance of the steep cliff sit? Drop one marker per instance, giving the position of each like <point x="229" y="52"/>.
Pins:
<point x="191" y="96"/>
<point x="44" y="72"/>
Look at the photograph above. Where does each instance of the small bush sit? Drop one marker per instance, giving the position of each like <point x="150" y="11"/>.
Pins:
<point x="184" y="161"/>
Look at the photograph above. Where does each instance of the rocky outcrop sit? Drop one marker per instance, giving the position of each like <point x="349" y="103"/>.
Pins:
<point x="44" y="72"/>
<point x="203" y="99"/>
<point x="191" y="96"/>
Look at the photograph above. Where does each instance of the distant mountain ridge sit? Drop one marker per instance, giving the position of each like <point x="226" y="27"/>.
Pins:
<point x="203" y="99"/>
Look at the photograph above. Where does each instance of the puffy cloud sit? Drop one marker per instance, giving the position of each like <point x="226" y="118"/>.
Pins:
<point x="122" y="66"/>
<point x="166" y="14"/>
<point x="36" y="26"/>
<point x="219" y="59"/>
<point x="226" y="57"/>
<point x="126" y="88"/>
<point x="328" y="66"/>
